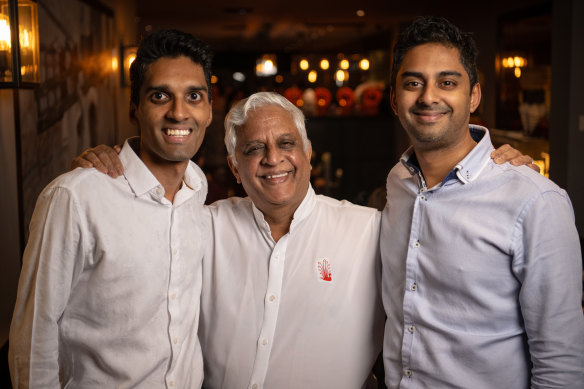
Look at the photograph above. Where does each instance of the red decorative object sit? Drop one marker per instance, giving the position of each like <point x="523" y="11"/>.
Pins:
<point x="370" y="101"/>
<point x="294" y="95"/>
<point x="346" y="99"/>
<point x="323" y="100"/>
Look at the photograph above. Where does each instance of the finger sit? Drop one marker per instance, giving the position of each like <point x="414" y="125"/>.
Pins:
<point x="534" y="167"/>
<point x="80" y="162"/>
<point x="500" y="151"/>
<point x="507" y="153"/>
<point x="521" y="160"/>
<point x="94" y="160"/>
<point x="109" y="158"/>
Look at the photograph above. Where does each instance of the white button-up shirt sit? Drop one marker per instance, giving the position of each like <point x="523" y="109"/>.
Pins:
<point x="300" y="313"/>
<point x="110" y="285"/>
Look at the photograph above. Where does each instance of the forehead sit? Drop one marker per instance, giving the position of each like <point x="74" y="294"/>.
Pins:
<point x="180" y="69"/>
<point x="267" y="121"/>
<point x="432" y="58"/>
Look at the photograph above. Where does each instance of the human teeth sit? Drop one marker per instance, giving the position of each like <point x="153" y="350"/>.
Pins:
<point x="176" y="132"/>
<point x="277" y="175"/>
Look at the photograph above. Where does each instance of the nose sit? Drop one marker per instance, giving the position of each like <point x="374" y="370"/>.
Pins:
<point x="428" y="95"/>
<point x="272" y="156"/>
<point x="178" y="110"/>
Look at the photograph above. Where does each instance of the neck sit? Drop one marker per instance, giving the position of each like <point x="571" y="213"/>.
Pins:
<point x="437" y="163"/>
<point x="279" y="223"/>
<point x="169" y="174"/>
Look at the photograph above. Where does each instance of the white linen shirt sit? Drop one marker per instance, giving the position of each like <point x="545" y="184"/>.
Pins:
<point x="110" y="285"/>
<point x="481" y="278"/>
<point x="304" y="312"/>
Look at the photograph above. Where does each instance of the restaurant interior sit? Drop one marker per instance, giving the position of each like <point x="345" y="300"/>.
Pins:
<point x="66" y="89"/>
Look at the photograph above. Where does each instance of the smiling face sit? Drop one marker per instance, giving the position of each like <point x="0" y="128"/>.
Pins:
<point x="173" y="112"/>
<point x="433" y="97"/>
<point x="272" y="164"/>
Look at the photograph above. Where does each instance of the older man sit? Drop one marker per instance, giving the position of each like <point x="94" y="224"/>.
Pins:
<point x="291" y="279"/>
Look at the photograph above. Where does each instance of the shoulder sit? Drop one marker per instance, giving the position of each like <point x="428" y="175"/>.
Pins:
<point x="80" y="181"/>
<point x="231" y="206"/>
<point x="345" y="209"/>
<point x="525" y="179"/>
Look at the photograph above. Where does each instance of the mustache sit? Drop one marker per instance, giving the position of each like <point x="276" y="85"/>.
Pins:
<point x="423" y="108"/>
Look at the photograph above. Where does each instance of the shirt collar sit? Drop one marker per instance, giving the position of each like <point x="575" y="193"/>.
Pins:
<point x="301" y="213"/>
<point x="466" y="170"/>
<point x="141" y="179"/>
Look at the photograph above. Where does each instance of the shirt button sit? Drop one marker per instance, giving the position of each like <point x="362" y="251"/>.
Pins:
<point x="175" y="340"/>
<point x="173" y="296"/>
<point x="159" y="191"/>
<point x="171" y="383"/>
<point x="272" y="298"/>
<point x="411" y="329"/>
<point x="416" y="244"/>
<point x="408" y="373"/>
<point x="422" y="197"/>
<point x="254" y="386"/>
<point x="414" y="287"/>
<point x="174" y="251"/>
<point x="264" y="342"/>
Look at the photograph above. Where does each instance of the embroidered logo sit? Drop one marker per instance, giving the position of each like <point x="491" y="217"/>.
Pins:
<point x="324" y="270"/>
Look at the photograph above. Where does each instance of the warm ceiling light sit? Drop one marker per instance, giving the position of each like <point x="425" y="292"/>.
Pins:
<point x="312" y="76"/>
<point x="266" y="66"/>
<point x="364" y="64"/>
<point x="360" y="13"/>
<point x="279" y="79"/>
<point x="340" y="75"/>
<point x="304" y="64"/>
<point x="344" y="64"/>
<point x="324" y="64"/>
<point x="214" y="79"/>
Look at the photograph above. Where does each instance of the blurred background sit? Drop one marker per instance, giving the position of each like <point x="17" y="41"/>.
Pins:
<point x="66" y="89"/>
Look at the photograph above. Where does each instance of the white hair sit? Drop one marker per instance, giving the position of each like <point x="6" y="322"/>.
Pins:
<point x="239" y="113"/>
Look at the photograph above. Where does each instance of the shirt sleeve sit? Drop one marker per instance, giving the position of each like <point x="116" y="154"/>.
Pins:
<point x="52" y="262"/>
<point x="548" y="262"/>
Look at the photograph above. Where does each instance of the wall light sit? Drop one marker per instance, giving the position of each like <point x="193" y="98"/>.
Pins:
<point x="324" y="64"/>
<point x="304" y="64"/>
<point x="19" y="44"/>
<point x="127" y="56"/>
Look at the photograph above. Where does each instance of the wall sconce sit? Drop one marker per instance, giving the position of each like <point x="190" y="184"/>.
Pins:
<point x="127" y="56"/>
<point x="19" y="44"/>
<point x="266" y="66"/>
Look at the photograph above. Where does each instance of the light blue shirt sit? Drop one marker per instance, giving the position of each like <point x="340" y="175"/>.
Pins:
<point x="482" y="278"/>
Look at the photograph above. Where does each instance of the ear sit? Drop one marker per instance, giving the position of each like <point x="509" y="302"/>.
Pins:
<point x="392" y="100"/>
<point x="475" y="97"/>
<point x="234" y="169"/>
<point x="133" y="109"/>
<point x="309" y="153"/>
<point x="210" y="119"/>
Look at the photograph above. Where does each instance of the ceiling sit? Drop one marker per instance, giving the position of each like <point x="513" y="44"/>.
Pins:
<point x="262" y="25"/>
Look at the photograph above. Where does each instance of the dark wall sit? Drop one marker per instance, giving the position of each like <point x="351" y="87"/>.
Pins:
<point x="364" y="147"/>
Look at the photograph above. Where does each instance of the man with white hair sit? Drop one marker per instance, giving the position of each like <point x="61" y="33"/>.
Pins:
<point x="291" y="292"/>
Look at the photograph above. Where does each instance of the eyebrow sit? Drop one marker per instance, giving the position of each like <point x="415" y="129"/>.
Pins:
<point x="166" y="88"/>
<point x="444" y="73"/>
